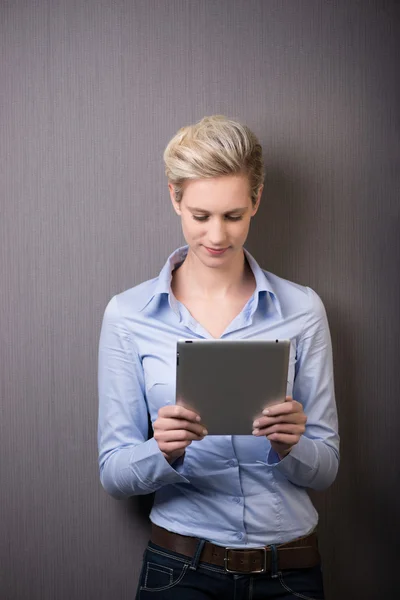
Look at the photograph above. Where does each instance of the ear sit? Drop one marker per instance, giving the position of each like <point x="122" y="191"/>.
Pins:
<point x="175" y="204"/>
<point x="257" y="204"/>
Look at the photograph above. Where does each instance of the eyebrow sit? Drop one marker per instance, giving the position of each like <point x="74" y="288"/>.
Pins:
<point x="206" y="212"/>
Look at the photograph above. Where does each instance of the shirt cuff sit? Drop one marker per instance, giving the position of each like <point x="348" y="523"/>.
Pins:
<point x="152" y="468"/>
<point x="299" y="464"/>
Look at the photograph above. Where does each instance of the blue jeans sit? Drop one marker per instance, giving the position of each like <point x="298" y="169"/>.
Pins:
<point x="169" y="576"/>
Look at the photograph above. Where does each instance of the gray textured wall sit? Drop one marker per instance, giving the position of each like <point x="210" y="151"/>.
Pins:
<point x="91" y="91"/>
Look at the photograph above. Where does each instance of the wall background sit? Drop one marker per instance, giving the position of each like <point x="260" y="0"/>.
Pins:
<point x="91" y="92"/>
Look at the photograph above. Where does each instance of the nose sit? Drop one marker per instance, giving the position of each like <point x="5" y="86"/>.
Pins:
<point x="217" y="232"/>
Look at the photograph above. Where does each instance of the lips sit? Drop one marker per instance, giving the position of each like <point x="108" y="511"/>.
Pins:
<point x="216" y="251"/>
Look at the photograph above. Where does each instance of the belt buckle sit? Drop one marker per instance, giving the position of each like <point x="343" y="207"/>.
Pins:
<point x="226" y="561"/>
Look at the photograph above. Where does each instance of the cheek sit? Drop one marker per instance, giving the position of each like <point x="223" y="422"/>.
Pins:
<point x="191" y="229"/>
<point x="242" y="231"/>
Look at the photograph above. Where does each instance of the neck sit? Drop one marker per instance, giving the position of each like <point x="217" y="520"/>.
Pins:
<point x="215" y="283"/>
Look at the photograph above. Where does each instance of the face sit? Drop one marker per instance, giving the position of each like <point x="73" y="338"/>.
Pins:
<point x="215" y="215"/>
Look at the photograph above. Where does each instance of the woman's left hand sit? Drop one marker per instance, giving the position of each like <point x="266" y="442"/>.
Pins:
<point x="283" y="424"/>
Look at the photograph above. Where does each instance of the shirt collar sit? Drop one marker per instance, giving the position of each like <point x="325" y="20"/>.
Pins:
<point x="263" y="284"/>
<point x="163" y="282"/>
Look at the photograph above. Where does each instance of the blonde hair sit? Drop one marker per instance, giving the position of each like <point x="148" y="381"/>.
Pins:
<point x="213" y="147"/>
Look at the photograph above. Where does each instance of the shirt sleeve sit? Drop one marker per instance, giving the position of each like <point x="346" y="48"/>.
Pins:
<point x="130" y="463"/>
<point x="314" y="461"/>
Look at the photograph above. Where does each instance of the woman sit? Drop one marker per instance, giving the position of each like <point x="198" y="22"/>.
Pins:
<point x="231" y="516"/>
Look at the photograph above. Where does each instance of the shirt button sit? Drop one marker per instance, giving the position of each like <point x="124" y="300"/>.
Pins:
<point x="236" y="500"/>
<point x="232" y="463"/>
<point x="239" y="536"/>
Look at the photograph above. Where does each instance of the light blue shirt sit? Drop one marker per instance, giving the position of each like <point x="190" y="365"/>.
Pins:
<point x="231" y="490"/>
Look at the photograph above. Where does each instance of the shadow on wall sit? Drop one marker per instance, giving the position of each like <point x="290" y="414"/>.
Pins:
<point x="356" y="512"/>
<point x="278" y="231"/>
<point x="337" y="537"/>
<point x="140" y="507"/>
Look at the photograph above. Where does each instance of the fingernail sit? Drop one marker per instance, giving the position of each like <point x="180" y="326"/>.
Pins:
<point x="255" y="431"/>
<point x="198" y="419"/>
<point x="265" y="411"/>
<point x="256" y="423"/>
<point x="205" y="431"/>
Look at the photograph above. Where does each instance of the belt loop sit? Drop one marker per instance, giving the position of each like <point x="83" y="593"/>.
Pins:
<point x="195" y="560"/>
<point x="274" y="561"/>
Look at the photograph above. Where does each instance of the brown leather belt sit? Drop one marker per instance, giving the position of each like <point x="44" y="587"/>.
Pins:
<point x="301" y="553"/>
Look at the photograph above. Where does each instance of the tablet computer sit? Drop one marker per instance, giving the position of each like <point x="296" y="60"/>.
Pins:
<point x="230" y="382"/>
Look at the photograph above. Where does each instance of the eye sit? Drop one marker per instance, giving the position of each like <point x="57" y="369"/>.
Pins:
<point x="232" y="218"/>
<point x="203" y="218"/>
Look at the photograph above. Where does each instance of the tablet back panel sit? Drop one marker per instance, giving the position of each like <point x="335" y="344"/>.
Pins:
<point x="229" y="382"/>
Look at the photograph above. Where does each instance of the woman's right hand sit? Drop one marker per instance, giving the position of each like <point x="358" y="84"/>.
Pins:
<point x="175" y="428"/>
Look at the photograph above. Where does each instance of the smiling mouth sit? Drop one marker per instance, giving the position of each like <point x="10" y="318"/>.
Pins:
<point x="216" y="251"/>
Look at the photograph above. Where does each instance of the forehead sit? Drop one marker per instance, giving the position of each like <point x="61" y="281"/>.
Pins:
<point x="218" y="193"/>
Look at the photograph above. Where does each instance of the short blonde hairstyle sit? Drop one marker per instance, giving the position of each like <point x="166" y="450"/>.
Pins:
<point x="213" y="147"/>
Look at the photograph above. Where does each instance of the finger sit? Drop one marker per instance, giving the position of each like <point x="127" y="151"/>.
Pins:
<point x="177" y="411"/>
<point x="173" y="424"/>
<point x="294" y="418"/>
<point x="171" y="447"/>
<point x="176" y="435"/>
<point x="283" y="408"/>
<point x="280" y="428"/>
<point x="283" y="438"/>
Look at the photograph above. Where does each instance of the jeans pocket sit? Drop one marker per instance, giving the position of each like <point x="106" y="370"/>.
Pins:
<point x="160" y="573"/>
<point x="306" y="584"/>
